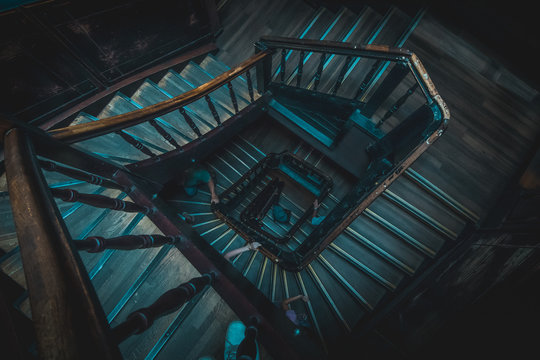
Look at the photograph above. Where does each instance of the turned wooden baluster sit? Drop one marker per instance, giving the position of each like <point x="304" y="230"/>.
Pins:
<point x="397" y="104"/>
<point x="140" y="320"/>
<point x="190" y="122"/>
<point x="250" y="86"/>
<point x="80" y="175"/>
<point x="233" y="97"/>
<point x="247" y="349"/>
<point x="283" y="62"/>
<point x="367" y="79"/>
<point x="135" y="143"/>
<point x="320" y="69"/>
<point x="300" y="69"/>
<point x="213" y="109"/>
<point x="95" y="244"/>
<point x="163" y="133"/>
<point x="342" y="73"/>
<point x="100" y="201"/>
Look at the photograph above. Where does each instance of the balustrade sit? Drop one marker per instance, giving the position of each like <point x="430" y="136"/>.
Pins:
<point x="140" y="320"/>
<point x="70" y="195"/>
<point x="95" y="244"/>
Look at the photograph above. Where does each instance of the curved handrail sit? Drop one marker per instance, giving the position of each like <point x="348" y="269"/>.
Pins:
<point x="86" y="131"/>
<point x="66" y="313"/>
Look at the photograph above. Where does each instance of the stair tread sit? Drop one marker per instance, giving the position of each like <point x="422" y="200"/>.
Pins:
<point x="120" y="104"/>
<point x="107" y="145"/>
<point x="148" y="94"/>
<point x="197" y="110"/>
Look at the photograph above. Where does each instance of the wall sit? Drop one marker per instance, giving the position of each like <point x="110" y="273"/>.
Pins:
<point x="55" y="54"/>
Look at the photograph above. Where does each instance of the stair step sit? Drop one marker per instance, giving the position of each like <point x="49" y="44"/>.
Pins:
<point x="386" y="32"/>
<point x="336" y="31"/>
<point x="150" y="93"/>
<point x="145" y="133"/>
<point x="198" y="110"/>
<point x="215" y="68"/>
<point x="109" y="146"/>
<point x="172" y="271"/>
<point x="358" y="32"/>
<point x="194" y="76"/>
<point x="198" y="75"/>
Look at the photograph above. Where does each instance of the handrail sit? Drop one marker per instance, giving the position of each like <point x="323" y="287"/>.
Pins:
<point x="66" y="313"/>
<point x="372" y="51"/>
<point x="86" y="131"/>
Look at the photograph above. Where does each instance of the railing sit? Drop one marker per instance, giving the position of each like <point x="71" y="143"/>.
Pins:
<point x="80" y="132"/>
<point x="68" y="317"/>
<point x="394" y="147"/>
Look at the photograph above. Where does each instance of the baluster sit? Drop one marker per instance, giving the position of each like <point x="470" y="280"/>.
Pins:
<point x="282" y="68"/>
<point x="248" y="347"/>
<point x="397" y="104"/>
<point x="94" y="244"/>
<point x="135" y="143"/>
<point x="190" y="122"/>
<point x="367" y="79"/>
<point x="342" y="73"/>
<point x="300" y="69"/>
<point x="213" y="109"/>
<point x="100" y="201"/>
<point x="163" y="133"/>
<point x="233" y="97"/>
<point x="319" y="71"/>
<point x="80" y="175"/>
<point x="250" y="86"/>
<point x="140" y="320"/>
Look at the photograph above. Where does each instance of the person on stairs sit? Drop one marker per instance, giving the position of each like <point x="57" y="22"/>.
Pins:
<point x="315" y="218"/>
<point x="250" y="246"/>
<point x="195" y="176"/>
<point x="190" y="180"/>
<point x="297" y="319"/>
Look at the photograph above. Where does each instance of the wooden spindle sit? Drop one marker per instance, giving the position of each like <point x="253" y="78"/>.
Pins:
<point x="140" y="320"/>
<point x="367" y="79"/>
<point x="190" y="122"/>
<point x="163" y="133"/>
<point x="250" y="86"/>
<point x="212" y="109"/>
<point x="283" y="62"/>
<point x="80" y="175"/>
<point x="319" y="71"/>
<point x="233" y="97"/>
<point x="95" y="244"/>
<point x="300" y="69"/>
<point x="100" y="201"/>
<point x="397" y="104"/>
<point x="135" y="143"/>
<point x="341" y="75"/>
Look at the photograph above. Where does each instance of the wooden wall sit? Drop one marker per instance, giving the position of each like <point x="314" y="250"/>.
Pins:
<point x="54" y="54"/>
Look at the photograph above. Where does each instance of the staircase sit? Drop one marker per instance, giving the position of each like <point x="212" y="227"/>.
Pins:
<point x="375" y="258"/>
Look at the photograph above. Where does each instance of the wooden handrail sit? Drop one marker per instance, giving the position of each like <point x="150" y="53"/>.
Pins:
<point x="372" y="51"/>
<point x="90" y="130"/>
<point x="381" y="52"/>
<point x="68" y="319"/>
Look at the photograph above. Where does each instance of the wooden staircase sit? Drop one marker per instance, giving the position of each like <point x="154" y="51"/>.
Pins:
<point x="401" y="233"/>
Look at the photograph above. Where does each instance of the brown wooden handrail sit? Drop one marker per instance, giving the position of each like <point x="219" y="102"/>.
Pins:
<point x="381" y="52"/>
<point x="68" y="319"/>
<point x="86" y="131"/>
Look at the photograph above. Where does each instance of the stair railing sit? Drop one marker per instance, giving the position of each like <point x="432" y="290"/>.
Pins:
<point x="80" y="132"/>
<point x="67" y="314"/>
<point x="409" y="137"/>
